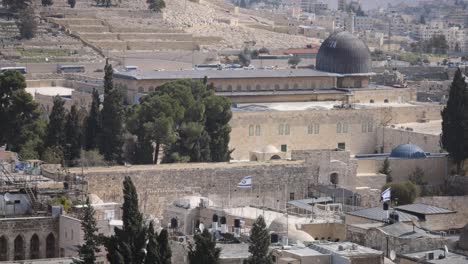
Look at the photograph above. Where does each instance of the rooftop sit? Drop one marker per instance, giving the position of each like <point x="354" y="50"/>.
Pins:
<point x="423" y="209"/>
<point x="222" y="74"/>
<point x="347" y="249"/>
<point x="403" y="230"/>
<point x="234" y="251"/>
<point x="50" y="91"/>
<point x="433" y="127"/>
<point x="378" y="214"/>
<point x="450" y="258"/>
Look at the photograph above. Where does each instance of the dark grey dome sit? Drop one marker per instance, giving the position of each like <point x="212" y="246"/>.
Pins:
<point x="408" y="151"/>
<point x="344" y="53"/>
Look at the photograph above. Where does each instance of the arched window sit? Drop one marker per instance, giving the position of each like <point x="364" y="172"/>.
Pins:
<point x="370" y="126"/>
<point x="345" y="127"/>
<point x="334" y="178"/>
<point x="385" y="101"/>
<point x="258" y="87"/>
<point x="229" y="88"/>
<point x="281" y="129"/>
<point x="286" y="129"/>
<point x="277" y="87"/>
<point x="239" y="87"/>
<point x="19" y="248"/>
<point x="34" y="247"/>
<point x="371" y="101"/>
<point x="275" y="157"/>
<point x="251" y="130"/>
<point x="296" y="86"/>
<point x="249" y="87"/>
<point x="257" y="130"/>
<point x="338" y="127"/>
<point x="3" y="248"/>
<point x="286" y="86"/>
<point x="50" y="246"/>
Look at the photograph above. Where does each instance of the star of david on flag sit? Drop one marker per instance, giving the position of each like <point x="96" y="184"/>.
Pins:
<point x="246" y="182"/>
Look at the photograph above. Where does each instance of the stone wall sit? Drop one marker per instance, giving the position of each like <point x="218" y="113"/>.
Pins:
<point x="334" y="231"/>
<point x="159" y="185"/>
<point x="454" y="203"/>
<point x="161" y="45"/>
<point x="393" y="137"/>
<point x="23" y="229"/>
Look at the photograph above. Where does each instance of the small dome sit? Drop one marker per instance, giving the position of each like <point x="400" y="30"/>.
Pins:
<point x="270" y="149"/>
<point x="280" y="225"/>
<point x="344" y="53"/>
<point x="408" y="151"/>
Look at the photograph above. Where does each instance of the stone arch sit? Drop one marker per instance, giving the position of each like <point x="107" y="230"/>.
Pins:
<point x="334" y="179"/>
<point x="258" y="87"/>
<point x="34" y="247"/>
<point x="275" y="157"/>
<point x="50" y="246"/>
<point x="253" y="157"/>
<point x="3" y="248"/>
<point x="385" y="101"/>
<point x="19" y="248"/>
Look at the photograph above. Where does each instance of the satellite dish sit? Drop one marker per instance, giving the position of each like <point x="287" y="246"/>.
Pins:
<point x="392" y="255"/>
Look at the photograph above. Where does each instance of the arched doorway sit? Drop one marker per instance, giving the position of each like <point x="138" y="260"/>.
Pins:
<point x="19" y="248"/>
<point x="3" y="248"/>
<point x="34" y="247"/>
<point x="275" y="157"/>
<point x="50" y="246"/>
<point x="334" y="178"/>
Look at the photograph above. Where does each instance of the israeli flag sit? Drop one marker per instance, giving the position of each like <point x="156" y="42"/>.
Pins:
<point x="386" y="195"/>
<point x="246" y="182"/>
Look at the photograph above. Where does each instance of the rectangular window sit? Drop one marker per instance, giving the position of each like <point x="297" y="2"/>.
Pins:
<point x="370" y="126"/>
<point x="310" y="129"/>
<point x="284" y="148"/>
<point x="317" y="129"/>
<point x="338" y="128"/>
<point x="257" y="130"/>
<point x="291" y="196"/>
<point x="364" y="127"/>
<point x="341" y="146"/>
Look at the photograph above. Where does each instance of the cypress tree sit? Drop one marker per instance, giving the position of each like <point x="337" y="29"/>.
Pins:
<point x="27" y="23"/>
<point x="455" y="121"/>
<point x="93" y="123"/>
<point x="111" y="140"/>
<point x="89" y="227"/>
<point x="127" y="245"/>
<point x="165" y="253"/>
<point x="108" y="79"/>
<point x="205" y="251"/>
<point x="72" y="135"/>
<point x="56" y="129"/>
<point x="259" y="243"/>
<point x="152" y="248"/>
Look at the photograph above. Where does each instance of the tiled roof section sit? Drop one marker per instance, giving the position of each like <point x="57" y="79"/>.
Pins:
<point x="378" y="214"/>
<point x="423" y="209"/>
<point x="402" y="230"/>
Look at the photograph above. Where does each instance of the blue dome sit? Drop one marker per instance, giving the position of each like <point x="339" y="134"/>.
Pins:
<point x="408" y="151"/>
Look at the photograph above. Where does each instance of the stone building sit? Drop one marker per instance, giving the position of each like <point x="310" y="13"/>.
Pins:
<point x="28" y="238"/>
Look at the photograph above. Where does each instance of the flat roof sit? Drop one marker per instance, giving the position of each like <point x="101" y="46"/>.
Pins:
<point x="50" y="91"/>
<point x="234" y="251"/>
<point x="349" y="248"/>
<point x="450" y="257"/>
<point x="303" y="252"/>
<point x="222" y="74"/>
<point x="433" y="127"/>
<point x="378" y="214"/>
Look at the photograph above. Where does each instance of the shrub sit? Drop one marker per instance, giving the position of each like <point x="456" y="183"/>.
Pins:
<point x="403" y="192"/>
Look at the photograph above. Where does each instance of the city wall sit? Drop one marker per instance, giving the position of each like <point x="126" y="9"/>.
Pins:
<point x="159" y="185"/>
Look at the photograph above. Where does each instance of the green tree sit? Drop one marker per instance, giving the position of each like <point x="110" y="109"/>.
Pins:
<point x="245" y="56"/>
<point x="294" y="61"/>
<point x="385" y="169"/>
<point x="218" y="114"/>
<point x="259" y="243"/>
<point x="27" y="23"/>
<point x="93" y="124"/>
<point x="152" y="248"/>
<point x="454" y="137"/>
<point x="165" y="252"/>
<point x="47" y="2"/>
<point x="22" y="126"/>
<point x="56" y="128"/>
<point x="403" y="192"/>
<point x="205" y="250"/>
<point x="72" y="3"/>
<point x="108" y="77"/>
<point x="156" y="5"/>
<point x="72" y="136"/>
<point x="53" y="155"/>
<point x="127" y="245"/>
<point x="90" y="158"/>
<point x="88" y="250"/>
